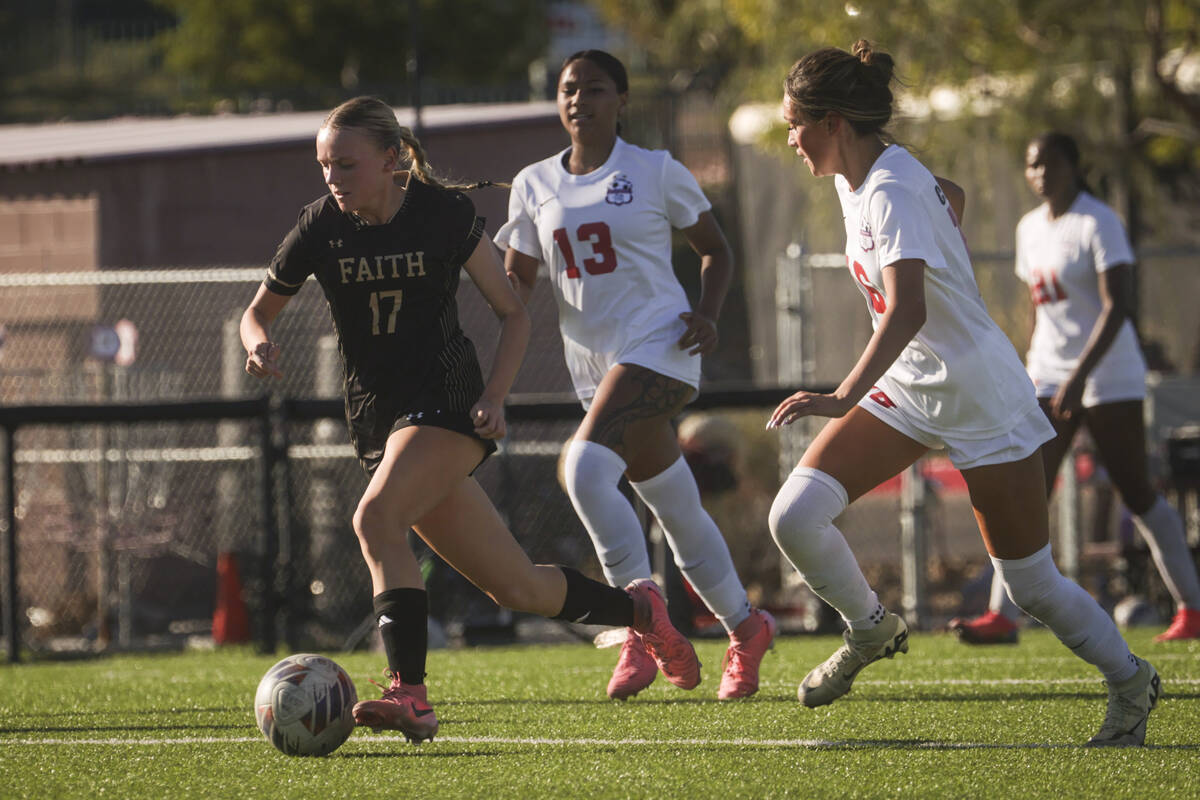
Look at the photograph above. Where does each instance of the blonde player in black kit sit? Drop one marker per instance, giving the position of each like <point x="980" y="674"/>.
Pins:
<point x="387" y="245"/>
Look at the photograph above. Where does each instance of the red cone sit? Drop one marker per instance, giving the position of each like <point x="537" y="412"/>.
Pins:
<point x="231" y="623"/>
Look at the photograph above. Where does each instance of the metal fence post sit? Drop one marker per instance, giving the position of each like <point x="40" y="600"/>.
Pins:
<point x="10" y="546"/>
<point x="792" y="369"/>
<point x="285" y="565"/>
<point x="270" y="533"/>
<point x="324" y="525"/>
<point x="792" y="285"/>
<point x="912" y="546"/>
<point x="1068" y="518"/>
<point x="230" y="535"/>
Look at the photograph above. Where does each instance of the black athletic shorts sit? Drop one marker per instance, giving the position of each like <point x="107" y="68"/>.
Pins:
<point x="372" y="422"/>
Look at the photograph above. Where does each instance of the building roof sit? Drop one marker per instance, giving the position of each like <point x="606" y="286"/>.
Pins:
<point x="139" y="137"/>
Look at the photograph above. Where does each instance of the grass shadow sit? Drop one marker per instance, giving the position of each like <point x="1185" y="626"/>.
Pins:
<point x="135" y="712"/>
<point x="604" y="701"/>
<point x="126" y="728"/>
<point x="415" y="752"/>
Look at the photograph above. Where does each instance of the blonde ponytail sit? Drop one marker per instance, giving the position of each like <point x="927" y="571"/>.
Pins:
<point x="375" y="118"/>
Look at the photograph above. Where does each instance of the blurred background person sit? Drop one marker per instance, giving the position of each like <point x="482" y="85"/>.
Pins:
<point x="1084" y="359"/>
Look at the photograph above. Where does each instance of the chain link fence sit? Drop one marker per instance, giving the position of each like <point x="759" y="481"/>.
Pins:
<point x="821" y="329"/>
<point x="120" y="526"/>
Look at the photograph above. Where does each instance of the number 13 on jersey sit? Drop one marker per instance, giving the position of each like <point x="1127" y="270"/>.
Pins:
<point x="598" y="239"/>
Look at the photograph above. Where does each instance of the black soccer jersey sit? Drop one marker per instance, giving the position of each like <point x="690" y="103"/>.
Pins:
<point x="391" y="290"/>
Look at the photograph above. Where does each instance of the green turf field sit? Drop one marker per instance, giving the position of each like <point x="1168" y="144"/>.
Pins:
<point x="945" y="720"/>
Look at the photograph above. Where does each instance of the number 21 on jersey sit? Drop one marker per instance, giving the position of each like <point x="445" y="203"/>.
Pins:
<point x="598" y="238"/>
<point x="1045" y="288"/>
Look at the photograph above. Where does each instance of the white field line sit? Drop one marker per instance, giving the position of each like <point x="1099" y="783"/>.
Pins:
<point x="1016" y="682"/>
<point x="549" y="742"/>
<point x="1066" y="658"/>
<point x="1168" y="682"/>
<point x="592" y="742"/>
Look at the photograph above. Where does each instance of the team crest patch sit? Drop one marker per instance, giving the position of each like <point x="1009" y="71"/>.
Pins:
<point x="620" y="191"/>
<point x="865" y="239"/>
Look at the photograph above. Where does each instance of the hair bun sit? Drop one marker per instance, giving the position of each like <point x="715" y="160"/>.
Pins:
<point x="878" y="65"/>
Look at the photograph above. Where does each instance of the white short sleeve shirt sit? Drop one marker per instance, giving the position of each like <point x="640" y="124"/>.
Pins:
<point x="1060" y="260"/>
<point x="605" y="238"/>
<point x="959" y="376"/>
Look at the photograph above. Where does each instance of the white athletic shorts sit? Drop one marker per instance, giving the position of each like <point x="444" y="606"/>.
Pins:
<point x="1117" y="389"/>
<point x="1029" y="433"/>
<point x="658" y="350"/>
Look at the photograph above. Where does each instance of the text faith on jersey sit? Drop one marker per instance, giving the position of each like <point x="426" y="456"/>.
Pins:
<point x="358" y="270"/>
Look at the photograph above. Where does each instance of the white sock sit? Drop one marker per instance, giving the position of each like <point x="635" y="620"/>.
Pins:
<point x="699" y="548"/>
<point x="801" y="522"/>
<point x="869" y="621"/>
<point x="1036" y="585"/>
<point x="591" y="473"/>
<point x="1000" y="602"/>
<point x="1163" y="531"/>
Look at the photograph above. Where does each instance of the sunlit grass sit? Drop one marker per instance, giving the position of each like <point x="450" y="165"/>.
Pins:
<point x="532" y="721"/>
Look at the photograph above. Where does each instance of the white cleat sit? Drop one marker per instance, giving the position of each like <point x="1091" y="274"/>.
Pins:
<point x="1129" y="705"/>
<point x="832" y="679"/>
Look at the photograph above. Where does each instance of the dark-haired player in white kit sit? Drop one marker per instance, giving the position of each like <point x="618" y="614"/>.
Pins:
<point x="387" y="246"/>
<point x="936" y="374"/>
<point x="1085" y="361"/>
<point x="599" y="216"/>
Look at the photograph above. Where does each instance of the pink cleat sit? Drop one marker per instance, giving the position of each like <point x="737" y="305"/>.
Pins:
<point x="748" y="643"/>
<point x="635" y="668"/>
<point x="669" y="648"/>
<point x="403" y="708"/>
<point x="990" y="628"/>
<point x="1185" y="625"/>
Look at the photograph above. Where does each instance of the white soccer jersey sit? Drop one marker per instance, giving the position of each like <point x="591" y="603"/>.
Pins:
<point x="960" y="374"/>
<point x="1060" y="260"/>
<point x="606" y="239"/>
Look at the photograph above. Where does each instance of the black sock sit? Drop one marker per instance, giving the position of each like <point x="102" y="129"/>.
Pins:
<point x="403" y="617"/>
<point x="593" y="602"/>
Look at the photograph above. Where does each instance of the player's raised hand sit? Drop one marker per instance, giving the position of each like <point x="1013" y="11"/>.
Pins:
<point x="488" y="418"/>
<point x="808" y="404"/>
<point x="261" y="361"/>
<point x="700" y="336"/>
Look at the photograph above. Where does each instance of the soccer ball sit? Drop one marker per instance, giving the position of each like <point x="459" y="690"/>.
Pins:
<point x="304" y="705"/>
<point x="1135" y="610"/>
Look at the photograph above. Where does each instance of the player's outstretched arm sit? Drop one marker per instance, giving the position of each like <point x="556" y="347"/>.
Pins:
<point x="716" y="272"/>
<point x="522" y="272"/>
<point x="261" y="352"/>
<point x="489" y="277"/>
<point x="904" y="288"/>
<point x="1116" y="306"/>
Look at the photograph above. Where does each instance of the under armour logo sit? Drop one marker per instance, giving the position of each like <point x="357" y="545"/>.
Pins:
<point x="335" y="243"/>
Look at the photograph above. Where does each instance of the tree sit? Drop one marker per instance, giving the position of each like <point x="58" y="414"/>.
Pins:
<point x="316" y="51"/>
<point x="1110" y="71"/>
